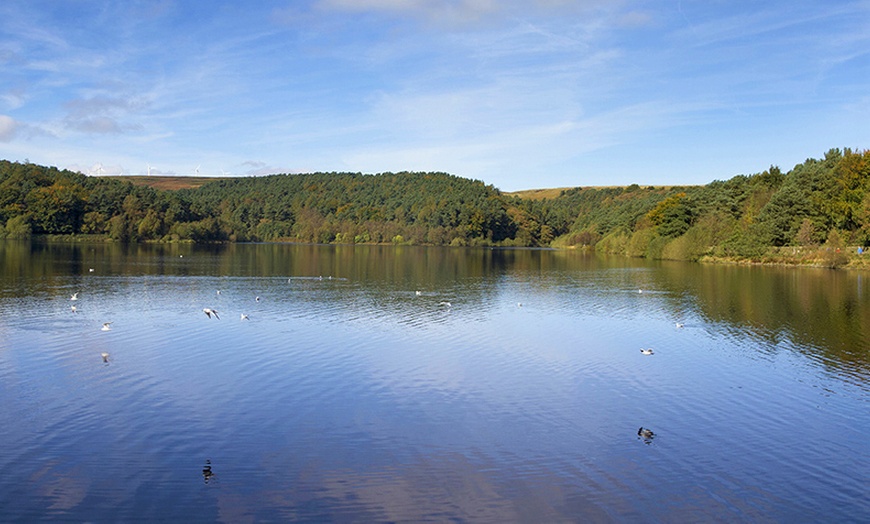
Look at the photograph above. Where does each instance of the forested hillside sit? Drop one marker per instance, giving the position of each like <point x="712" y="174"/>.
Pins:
<point x="820" y="201"/>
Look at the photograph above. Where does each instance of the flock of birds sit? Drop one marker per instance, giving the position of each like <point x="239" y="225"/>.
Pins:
<point x="643" y="433"/>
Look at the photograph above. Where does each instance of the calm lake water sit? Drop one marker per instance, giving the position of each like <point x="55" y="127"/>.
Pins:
<point x="353" y="392"/>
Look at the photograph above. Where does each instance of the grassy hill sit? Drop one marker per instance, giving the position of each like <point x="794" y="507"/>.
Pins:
<point x="164" y="182"/>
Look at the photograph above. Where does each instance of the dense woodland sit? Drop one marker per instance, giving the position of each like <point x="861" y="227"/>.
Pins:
<point x="811" y="211"/>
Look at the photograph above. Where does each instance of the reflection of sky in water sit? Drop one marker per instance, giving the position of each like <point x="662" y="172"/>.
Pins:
<point x="358" y="399"/>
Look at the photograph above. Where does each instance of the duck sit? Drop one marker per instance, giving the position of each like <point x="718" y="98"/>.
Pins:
<point x="645" y="433"/>
<point x="646" y="351"/>
<point x="207" y="473"/>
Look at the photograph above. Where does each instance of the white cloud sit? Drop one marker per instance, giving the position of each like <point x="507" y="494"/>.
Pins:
<point x="101" y="115"/>
<point x="8" y="128"/>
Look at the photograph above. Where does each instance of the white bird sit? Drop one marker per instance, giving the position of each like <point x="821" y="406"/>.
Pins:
<point x="218" y="292"/>
<point x="244" y="317"/>
<point x="106" y="326"/>
<point x="445" y="304"/>
<point x="74" y="296"/>
<point x="646" y="351"/>
<point x="209" y="312"/>
<point x="418" y="293"/>
<point x="72" y="308"/>
<point x="257" y="299"/>
<point x="105" y="357"/>
<point x="678" y="325"/>
<point x="90" y="270"/>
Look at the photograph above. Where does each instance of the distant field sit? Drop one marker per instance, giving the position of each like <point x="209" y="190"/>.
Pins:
<point x="538" y="194"/>
<point x="167" y="182"/>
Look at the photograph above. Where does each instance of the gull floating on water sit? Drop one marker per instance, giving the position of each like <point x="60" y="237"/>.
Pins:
<point x="678" y="325"/>
<point x="445" y="304"/>
<point x="646" y="351"/>
<point x="105" y="357"/>
<point x="72" y="308"/>
<point x="106" y="326"/>
<point x="209" y="312"/>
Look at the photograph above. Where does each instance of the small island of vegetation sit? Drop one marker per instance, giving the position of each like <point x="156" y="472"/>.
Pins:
<point x="817" y="213"/>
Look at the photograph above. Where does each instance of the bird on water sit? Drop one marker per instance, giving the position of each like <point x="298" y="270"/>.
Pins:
<point x="646" y="351"/>
<point x="645" y="433"/>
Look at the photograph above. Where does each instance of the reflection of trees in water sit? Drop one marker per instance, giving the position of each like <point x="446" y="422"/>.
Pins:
<point x="823" y="311"/>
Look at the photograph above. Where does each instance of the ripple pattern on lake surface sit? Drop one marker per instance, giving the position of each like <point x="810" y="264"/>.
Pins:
<point x="351" y="398"/>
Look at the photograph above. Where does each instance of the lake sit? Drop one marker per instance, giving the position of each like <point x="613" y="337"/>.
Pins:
<point x="413" y="384"/>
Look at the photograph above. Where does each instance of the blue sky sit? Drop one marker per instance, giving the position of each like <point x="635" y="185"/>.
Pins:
<point x="519" y="94"/>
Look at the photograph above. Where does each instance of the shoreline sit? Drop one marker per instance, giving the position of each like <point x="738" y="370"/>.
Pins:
<point x="800" y="256"/>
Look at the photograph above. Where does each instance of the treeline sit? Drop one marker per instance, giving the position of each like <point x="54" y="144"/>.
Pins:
<point x="418" y="208"/>
<point x="821" y="202"/>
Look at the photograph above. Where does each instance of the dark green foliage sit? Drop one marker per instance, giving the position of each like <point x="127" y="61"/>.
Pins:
<point x="743" y="217"/>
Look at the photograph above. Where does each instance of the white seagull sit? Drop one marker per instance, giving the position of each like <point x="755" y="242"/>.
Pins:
<point x="74" y="296"/>
<point x="445" y="304"/>
<point x="72" y="308"/>
<point x="209" y="312"/>
<point x="646" y="351"/>
<point x="105" y="357"/>
<point x="244" y="317"/>
<point x="678" y="325"/>
<point x="106" y="326"/>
